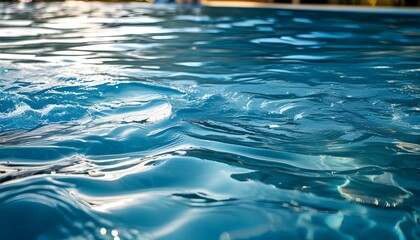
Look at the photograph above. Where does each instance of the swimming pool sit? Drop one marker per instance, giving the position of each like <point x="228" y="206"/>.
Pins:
<point x="134" y="121"/>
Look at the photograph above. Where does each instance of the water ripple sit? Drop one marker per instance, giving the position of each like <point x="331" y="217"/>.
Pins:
<point x="286" y="40"/>
<point x="137" y="121"/>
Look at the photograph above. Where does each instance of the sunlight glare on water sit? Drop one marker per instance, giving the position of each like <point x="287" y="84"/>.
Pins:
<point x="136" y="121"/>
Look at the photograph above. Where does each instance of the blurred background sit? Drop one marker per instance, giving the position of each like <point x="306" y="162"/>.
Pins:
<point x="342" y="2"/>
<point x="411" y="3"/>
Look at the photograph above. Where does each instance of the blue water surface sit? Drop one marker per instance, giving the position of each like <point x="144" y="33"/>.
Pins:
<point x="134" y="121"/>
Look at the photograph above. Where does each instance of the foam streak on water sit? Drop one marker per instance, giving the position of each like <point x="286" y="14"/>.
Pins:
<point x="132" y="121"/>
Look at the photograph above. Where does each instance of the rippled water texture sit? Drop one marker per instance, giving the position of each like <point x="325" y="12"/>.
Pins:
<point x="133" y="121"/>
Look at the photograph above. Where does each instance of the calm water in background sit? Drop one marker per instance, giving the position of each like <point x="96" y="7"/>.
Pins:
<point x="131" y="121"/>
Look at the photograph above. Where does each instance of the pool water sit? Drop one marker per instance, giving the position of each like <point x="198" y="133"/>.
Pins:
<point x="136" y="121"/>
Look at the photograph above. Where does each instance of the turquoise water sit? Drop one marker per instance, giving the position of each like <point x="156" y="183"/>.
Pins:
<point x="133" y="121"/>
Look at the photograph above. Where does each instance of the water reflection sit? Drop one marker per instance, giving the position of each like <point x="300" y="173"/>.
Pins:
<point x="131" y="121"/>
